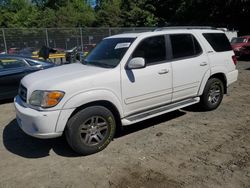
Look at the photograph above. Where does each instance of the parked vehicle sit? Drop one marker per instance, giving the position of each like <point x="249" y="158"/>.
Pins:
<point x="27" y="52"/>
<point x="2" y="52"/>
<point x="74" y="55"/>
<point x="125" y="79"/>
<point x="241" y="46"/>
<point x="13" y="50"/>
<point x="13" y="69"/>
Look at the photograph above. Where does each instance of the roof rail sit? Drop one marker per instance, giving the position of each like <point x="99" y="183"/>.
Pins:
<point x="185" y="27"/>
<point x="139" y="31"/>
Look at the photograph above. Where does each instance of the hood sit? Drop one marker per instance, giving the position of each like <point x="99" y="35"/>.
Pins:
<point x="65" y="77"/>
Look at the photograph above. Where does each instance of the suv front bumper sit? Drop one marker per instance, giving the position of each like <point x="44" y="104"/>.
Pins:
<point x="39" y="124"/>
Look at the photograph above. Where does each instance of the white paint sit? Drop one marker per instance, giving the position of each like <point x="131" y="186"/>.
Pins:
<point x="130" y="91"/>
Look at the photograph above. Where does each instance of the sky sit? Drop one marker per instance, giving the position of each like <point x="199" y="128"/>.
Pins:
<point x="92" y="2"/>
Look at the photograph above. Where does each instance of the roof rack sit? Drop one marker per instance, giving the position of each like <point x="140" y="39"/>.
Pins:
<point x="185" y="27"/>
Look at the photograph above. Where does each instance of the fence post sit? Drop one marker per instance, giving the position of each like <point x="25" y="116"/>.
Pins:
<point x="4" y="40"/>
<point x="110" y="31"/>
<point x="81" y="38"/>
<point x="47" y="36"/>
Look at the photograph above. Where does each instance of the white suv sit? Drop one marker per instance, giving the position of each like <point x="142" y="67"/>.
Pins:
<point x="127" y="78"/>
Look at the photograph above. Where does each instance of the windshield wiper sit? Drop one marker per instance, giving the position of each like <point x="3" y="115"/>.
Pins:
<point x="94" y="63"/>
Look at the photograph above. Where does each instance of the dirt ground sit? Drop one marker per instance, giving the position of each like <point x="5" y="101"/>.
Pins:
<point x="186" y="148"/>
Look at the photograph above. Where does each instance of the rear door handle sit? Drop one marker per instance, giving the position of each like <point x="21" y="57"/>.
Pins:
<point x="203" y="64"/>
<point x="163" y="71"/>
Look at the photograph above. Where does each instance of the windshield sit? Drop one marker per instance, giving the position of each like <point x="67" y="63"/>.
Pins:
<point x="238" y="40"/>
<point x="109" y="52"/>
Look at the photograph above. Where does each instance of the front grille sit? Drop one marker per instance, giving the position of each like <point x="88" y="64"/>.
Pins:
<point x="22" y="92"/>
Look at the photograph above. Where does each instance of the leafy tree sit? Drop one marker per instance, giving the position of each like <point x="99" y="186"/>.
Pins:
<point x="76" y="13"/>
<point x="18" y="13"/>
<point x="118" y="13"/>
<point x="126" y="13"/>
<point x="47" y="18"/>
<point x="138" y="13"/>
<point x="52" y="4"/>
<point x="108" y="13"/>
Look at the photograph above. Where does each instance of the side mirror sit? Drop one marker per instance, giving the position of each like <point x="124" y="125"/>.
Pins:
<point x="136" y="63"/>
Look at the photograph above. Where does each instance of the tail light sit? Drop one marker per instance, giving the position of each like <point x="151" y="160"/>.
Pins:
<point x="234" y="59"/>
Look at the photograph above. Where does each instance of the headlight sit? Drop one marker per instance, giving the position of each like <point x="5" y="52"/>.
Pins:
<point x="46" y="99"/>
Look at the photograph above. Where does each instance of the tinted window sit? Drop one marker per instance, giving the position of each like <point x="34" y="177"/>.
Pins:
<point x="218" y="41"/>
<point x="152" y="49"/>
<point x="184" y="45"/>
<point x="9" y="63"/>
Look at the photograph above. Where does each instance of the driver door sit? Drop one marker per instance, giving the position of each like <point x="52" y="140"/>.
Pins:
<point x="151" y="86"/>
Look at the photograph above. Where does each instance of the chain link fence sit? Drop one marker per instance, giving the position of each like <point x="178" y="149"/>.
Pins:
<point x="59" y="38"/>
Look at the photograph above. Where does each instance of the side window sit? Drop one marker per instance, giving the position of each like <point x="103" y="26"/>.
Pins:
<point x="152" y="49"/>
<point x="9" y="63"/>
<point x="184" y="45"/>
<point x="218" y="41"/>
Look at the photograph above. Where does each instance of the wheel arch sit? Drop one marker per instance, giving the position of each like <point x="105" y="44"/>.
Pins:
<point x="104" y="103"/>
<point x="83" y="100"/>
<point x="220" y="75"/>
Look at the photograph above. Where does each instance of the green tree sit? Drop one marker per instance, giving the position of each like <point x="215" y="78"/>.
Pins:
<point x="18" y="13"/>
<point x="126" y="13"/>
<point x="52" y="4"/>
<point x="138" y="13"/>
<point x="76" y="13"/>
<point x="47" y="18"/>
<point x="108" y="13"/>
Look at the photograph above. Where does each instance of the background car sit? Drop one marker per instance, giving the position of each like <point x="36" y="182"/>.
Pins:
<point x="241" y="46"/>
<point x="13" y="69"/>
<point x="13" y="51"/>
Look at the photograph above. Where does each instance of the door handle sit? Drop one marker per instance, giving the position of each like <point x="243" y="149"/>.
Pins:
<point x="203" y="64"/>
<point x="209" y="52"/>
<point x="163" y="71"/>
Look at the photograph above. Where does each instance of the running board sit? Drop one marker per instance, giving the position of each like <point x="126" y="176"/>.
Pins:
<point x="158" y="111"/>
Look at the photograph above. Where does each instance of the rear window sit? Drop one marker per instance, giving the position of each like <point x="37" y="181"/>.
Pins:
<point x="218" y="41"/>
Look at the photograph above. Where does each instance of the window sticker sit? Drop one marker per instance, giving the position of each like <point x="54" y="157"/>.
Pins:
<point x="122" y="45"/>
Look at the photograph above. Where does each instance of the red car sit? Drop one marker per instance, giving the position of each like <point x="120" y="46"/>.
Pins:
<point x="241" y="46"/>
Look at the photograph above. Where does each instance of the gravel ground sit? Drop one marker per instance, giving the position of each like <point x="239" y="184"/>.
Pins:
<point x="185" y="148"/>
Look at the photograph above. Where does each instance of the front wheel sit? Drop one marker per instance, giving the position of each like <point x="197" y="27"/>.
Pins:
<point x="212" y="95"/>
<point x="90" y="130"/>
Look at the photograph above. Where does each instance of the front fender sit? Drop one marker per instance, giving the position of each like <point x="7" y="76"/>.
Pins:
<point x="84" y="98"/>
<point x="92" y="96"/>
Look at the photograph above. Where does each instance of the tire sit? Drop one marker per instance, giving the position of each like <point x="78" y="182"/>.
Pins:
<point x="212" y="94"/>
<point x="90" y="130"/>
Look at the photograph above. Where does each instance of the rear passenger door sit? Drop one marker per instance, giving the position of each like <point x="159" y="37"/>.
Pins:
<point x="189" y="64"/>
<point x="220" y="52"/>
<point x="12" y="70"/>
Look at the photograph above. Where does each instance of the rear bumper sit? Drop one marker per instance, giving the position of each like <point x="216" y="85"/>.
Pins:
<point x="36" y="123"/>
<point x="232" y="77"/>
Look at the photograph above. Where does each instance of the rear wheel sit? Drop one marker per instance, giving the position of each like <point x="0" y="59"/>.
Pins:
<point x="90" y="130"/>
<point x="212" y="95"/>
